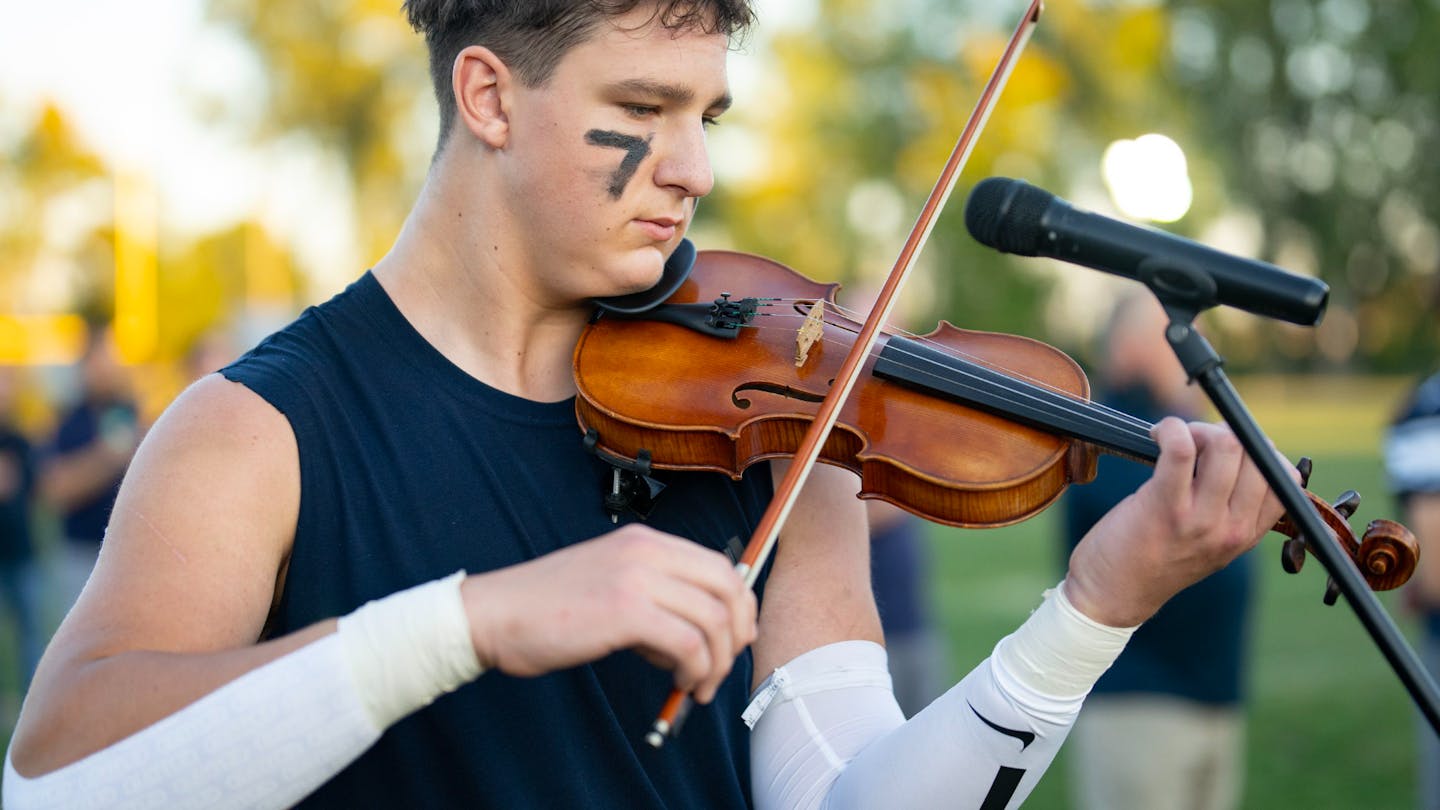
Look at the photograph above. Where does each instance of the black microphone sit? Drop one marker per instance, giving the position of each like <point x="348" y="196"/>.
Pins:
<point x="1013" y="216"/>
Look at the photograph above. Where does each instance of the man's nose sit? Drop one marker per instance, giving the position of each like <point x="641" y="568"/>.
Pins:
<point x="685" y="162"/>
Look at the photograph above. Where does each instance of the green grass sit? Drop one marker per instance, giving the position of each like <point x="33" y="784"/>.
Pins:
<point x="1330" y="725"/>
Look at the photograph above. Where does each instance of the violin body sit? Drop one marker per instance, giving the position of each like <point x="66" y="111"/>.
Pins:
<point x="697" y="402"/>
<point x="683" y="399"/>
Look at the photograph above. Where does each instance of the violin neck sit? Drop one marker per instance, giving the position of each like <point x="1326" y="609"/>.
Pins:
<point x="918" y="365"/>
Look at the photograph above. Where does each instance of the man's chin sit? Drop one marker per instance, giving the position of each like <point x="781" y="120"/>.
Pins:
<point x="642" y="283"/>
<point x="640" y="271"/>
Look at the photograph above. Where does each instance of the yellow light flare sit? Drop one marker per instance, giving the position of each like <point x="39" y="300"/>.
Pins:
<point x="41" y="340"/>
<point x="137" y="272"/>
<point x="267" y="276"/>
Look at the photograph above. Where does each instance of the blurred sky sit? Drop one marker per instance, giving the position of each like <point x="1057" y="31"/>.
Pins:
<point x="122" y="73"/>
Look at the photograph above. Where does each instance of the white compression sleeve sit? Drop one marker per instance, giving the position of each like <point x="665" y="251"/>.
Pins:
<point x="828" y="733"/>
<point x="272" y="736"/>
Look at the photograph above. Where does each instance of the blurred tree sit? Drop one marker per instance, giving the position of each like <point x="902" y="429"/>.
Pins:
<point x="1329" y="109"/>
<point x="1308" y="119"/>
<point x="864" y="107"/>
<point x="57" y="255"/>
<point x="351" y="79"/>
<point x="56" y="241"/>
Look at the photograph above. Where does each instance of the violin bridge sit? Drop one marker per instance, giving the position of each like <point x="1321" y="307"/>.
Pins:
<point x="810" y="333"/>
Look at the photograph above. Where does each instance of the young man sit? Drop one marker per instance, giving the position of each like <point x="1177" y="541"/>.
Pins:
<point x="420" y="423"/>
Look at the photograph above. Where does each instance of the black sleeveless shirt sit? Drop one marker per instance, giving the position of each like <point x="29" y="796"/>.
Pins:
<point x="411" y="469"/>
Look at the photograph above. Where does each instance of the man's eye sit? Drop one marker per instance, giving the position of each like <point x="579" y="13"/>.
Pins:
<point x="641" y="110"/>
<point x="710" y="121"/>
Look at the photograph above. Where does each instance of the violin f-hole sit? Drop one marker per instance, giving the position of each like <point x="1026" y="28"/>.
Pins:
<point x="788" y="392"/>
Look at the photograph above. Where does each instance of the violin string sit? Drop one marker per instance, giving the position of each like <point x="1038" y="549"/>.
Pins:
<point x="1121" y="421"/>
<point x="1083" y="404"/>
<point x="1014" y="376"/>
<point x="1068" y="404"/>
<point x="940" y="347"/>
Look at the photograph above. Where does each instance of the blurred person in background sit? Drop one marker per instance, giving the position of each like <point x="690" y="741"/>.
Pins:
<point x="899" y="572"/>
<point x="1412" y="465"/>
<point x="94" y="440"/>
<point x="19" y="578"/>
<point x="1164" y="727"/>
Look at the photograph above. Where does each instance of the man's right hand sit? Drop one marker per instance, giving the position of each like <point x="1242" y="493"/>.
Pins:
<point x="680" y="605"/>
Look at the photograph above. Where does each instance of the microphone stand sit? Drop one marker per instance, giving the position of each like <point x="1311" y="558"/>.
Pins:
<point x="1186" y="292"/>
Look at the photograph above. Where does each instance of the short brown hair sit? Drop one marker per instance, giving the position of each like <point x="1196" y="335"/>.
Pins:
<point x="532" y="35"/>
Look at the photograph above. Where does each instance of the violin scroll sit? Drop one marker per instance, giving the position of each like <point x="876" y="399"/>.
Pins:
<point x="1386" y="554"/>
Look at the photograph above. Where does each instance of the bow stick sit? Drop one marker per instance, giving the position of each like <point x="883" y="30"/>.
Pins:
<point x="762" y="542"/>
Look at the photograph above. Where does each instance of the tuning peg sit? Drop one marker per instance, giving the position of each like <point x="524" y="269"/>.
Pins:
<point x="1292" y="555"/>
<point x="1348" y="502"/>
<point x="1332" y="591"/>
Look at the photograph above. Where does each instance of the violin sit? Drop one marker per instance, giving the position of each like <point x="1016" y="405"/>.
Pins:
<point x="966" y="428"/>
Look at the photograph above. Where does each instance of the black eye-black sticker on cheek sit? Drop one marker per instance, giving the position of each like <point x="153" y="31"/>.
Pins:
<point x="636" y="150"/>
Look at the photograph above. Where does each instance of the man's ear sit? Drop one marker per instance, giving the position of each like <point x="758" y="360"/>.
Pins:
<point x="481" y="83"/>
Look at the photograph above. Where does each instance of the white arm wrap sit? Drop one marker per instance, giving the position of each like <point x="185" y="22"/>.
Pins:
<point x="272" y="736"/>
<point x="409" y="648"/>
<point x="826" y="731"/>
